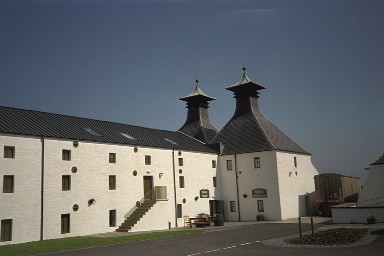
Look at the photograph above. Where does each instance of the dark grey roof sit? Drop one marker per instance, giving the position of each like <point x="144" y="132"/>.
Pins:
<point x="249" y="130"/>
<point x="197" y="93"/>
<point x="36" y="123"/>
<point x="379" y="161"/>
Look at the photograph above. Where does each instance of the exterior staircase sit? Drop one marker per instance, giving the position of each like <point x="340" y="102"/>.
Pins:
<point x="139" y="211"/>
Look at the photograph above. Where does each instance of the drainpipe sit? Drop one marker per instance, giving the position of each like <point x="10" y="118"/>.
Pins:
<point x="174" y="184"/>
<point x="42" y="190"/>
<point x="237" y="188"/>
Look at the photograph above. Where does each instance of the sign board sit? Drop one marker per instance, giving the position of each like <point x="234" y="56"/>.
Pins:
<point x="259" y="192"/>
<point x="204" y="193"/>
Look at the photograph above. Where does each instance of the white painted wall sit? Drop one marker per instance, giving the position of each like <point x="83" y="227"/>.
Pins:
<point x="373" y="192"/>
<point x="22" y="206"/>
<point x="295" y="183"/>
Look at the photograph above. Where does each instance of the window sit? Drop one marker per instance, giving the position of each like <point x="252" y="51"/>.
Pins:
<point x="66" y="155"/>
<point x="295" y="161"/>
<point x="229" y="165"/>
<point x="181" y="182"/>
<point x="6" y="230"/>
<point x="214" y="182"/>
<point x="112" y="218"/>
<point x="147" y="160"/>
<point x="232" y="206"/>
<point x="179" y="211"/>
<point x="181" y="162"/>
<point x="112" y="158"/>
<point x="9" y="152"/>
<point x="256" y="162"/>
<point x="92" y="132"/>
<point x="66" y="182"/>
<point x="213" y="163"/>
<point x="112" y="182"/>
<point x="260" y="205"/>
<point x="65" y="223"/>
<point x="8" y="183"/>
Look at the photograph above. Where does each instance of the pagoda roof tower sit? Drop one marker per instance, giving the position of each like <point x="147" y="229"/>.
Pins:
<point x="198" y="124"/>
<point x="249" y="130"/>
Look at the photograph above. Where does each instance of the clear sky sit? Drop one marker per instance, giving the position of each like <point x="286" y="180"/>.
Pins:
<point x="129" y="61"/>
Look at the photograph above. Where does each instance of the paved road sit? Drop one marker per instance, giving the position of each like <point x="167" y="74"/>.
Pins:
<point x="242" y="240"/>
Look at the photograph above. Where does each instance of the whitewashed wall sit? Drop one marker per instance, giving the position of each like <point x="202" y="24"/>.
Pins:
<point x="373" y="192"/>
<point x="22" y="206"/>
<point x="295" y="183"/>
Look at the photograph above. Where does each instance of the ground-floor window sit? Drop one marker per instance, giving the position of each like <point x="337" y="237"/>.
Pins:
<point x="65" y="223"/>
<point x="112" y="218"/>
<point x="232" y="205"/>
<point x="179" y="211"/>
<point x="6" y="230"/>
<point x="260" y="205"/>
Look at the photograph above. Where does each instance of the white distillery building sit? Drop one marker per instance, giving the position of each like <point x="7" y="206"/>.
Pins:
<point x="67" y="176"/>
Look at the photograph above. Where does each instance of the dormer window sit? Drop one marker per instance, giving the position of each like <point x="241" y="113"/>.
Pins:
<point x="92" y="132"/>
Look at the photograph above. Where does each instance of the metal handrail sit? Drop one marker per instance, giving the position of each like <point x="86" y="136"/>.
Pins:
<point x="152" y="192"/>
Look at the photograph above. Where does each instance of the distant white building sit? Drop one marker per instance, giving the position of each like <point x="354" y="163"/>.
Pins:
<point x="70" y="176"/>
<point x="371" y="200"/>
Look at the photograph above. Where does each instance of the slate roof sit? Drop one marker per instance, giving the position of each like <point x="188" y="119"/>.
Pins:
<point x="36" y="123"/>
<point x="197" y="92"/>
<point x="379" y="161"/>
<point x="249" y="130"/>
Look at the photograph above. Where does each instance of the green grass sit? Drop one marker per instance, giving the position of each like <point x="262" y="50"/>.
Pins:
<point x="72" y="243"/>
<point x="339" y="236"/>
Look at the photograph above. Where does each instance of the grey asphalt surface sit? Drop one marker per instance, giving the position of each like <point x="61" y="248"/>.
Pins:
<point x="232" y="239"/>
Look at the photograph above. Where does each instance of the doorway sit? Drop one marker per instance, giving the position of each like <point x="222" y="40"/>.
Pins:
<point x="148" y="186"/>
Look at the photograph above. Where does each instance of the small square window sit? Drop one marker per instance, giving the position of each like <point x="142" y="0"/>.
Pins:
<point x="65" y="223"/>
<point x="179" y="210"/>
<point x="66" y="182"/>
<point x="6" y="230"/>
<point x="232" y="206"/>
<point x="181" y="162"/>
<point x="66" y="155"/>
<point x="9" y="152"/>
<point x="181" y="182"/>
<point x="214" y="182"/>
<point x="112" y="218"/>
<point x="112" y="182"/>
<point x="260" y="205"/>
<point x="8" y="183"/>
<point x="213" y="163"/>
<point x="148" y="160"/>
<point x="229" y="165"/>
<point x="256" y="162"/>
<point x="112" y="158"/>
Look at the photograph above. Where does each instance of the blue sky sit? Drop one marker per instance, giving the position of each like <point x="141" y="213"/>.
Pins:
<point x="129" y="61"/>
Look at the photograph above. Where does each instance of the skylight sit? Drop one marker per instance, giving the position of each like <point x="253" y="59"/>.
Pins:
<point x="128" y="136"/>
<point x="92" y="132"/>
<point x="170" y="141"/>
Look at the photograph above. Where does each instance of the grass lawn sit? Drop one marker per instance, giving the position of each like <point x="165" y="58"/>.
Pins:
<point x="72" y="243"/>
<point x="337" y="236"/>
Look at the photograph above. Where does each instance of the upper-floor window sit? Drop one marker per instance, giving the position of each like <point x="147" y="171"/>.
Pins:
<point x="9" y="152"/>
<point x="147" y="160"/>
<point x="66" y="154"/>
<point x="8" y="183"/>
<point x="214" y="182"/>
<point x="112" y="158"/>
<point x="112" y="182"/>
<point x="66" y="182"/>
<point x="295" y="161"/>
<point x="181" y="162"/>
<point x="229" y="165"/>
<point x="256" y="162"/>
<point x="181" y="182"/>
<point x="213" y="163"/>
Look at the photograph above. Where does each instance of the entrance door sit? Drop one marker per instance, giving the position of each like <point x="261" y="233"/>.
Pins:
<point x="148" y="185"/>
